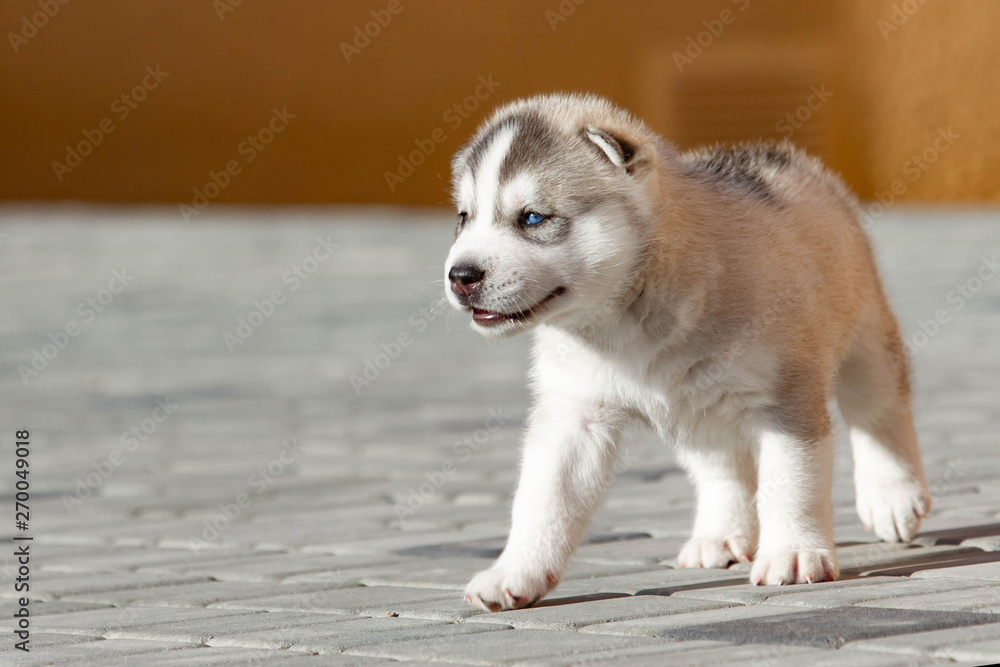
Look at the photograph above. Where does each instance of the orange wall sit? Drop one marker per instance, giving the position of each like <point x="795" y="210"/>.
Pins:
<point x="915" y="74"/>
<point x="353" y="119"/>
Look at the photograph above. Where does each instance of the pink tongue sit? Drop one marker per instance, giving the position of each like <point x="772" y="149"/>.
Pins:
<point x="485" y="315"/>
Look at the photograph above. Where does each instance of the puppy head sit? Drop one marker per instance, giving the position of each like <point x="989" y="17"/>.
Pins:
<point x="555" y="198"/>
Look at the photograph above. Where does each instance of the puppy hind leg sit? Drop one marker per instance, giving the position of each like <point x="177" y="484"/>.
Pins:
<point x="874" y="397"/>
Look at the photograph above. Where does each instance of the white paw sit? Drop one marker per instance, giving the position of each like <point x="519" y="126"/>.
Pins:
<point x="807" y="566"/>
<point x="497" y="589"/>
<point x="893" y="508"/>
<point x="716" y="551"/>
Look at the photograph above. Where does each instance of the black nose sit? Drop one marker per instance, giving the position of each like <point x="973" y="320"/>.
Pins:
<point x="465" y="279"/>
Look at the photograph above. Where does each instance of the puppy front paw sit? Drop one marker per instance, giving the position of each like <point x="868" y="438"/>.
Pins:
<point x="716" y="552"/>
<point x="893" y="508"/>
<point x="498" y="589"/>
<point x="805" y="566"/>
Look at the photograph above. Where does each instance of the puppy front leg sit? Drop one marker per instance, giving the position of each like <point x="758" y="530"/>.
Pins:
<point x="569" y="452"/>
<point x="725" y="524"/>
<point x="795" y="510"/>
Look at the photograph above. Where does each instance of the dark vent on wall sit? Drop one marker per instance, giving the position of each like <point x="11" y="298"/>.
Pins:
<point x="739" y="94"/>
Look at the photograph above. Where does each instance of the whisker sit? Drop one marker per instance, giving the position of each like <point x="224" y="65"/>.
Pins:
<point x="423" y="286"/>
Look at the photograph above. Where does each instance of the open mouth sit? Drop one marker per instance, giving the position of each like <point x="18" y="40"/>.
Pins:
<point x="489" y="318"/>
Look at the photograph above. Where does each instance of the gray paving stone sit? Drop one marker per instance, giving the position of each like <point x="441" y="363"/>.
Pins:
<point x="202" y="630"/>
<point x="454" y="573"/>
<point x="552" y="615"/>
<point x="990" y="543"/>
<point x="824" y="628"/>
<point x="413" y="543"/>
<point x="103" y="651"/>
<point x="665" y="523"/>
<point x="697" y="653"/>
<point x="77" y="584"/>
<point x="826" y="658"/>
<point x="648" y="552"/>
<point x="663" y="626"/>
<point x="977" y="572"/>
<point x="453" y="609"/>
<point x="982" y="599"/>
<point x="373" y="601"/>
<point x="223" y="656"/>
<point x="497" y="648"/>
<point x="441" y="573"/>
<point x="749" y="594"/>
<point x="834" y="597"/>
<point x="662" y="581"/>
<point x="958" y="534"/>
<point x="905" y="570"/>
<point x="103" y="621"/>
<point x="978" y="643"/>
<point x="128" y="559"/>
<point x="662" y="653"/>
<point x="337" y="636"/>
<point x="269" y="567"/>
<point x="199" y="594"/>
<point x="41" y="608"/>
<point x="40" y="640"/>
<point x="329" y="519"/>
<point x="862" y="559"/>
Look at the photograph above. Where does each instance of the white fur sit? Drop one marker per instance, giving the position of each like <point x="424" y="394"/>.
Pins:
<point x="488" y="178"/>
<point x="795" y="511"/>
<point x="520" y="193"/>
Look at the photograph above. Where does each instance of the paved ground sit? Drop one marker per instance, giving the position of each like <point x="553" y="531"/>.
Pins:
<point x="206" y="492"/>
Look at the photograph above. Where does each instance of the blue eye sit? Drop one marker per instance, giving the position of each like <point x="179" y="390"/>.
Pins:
<point x="532" y="218"/>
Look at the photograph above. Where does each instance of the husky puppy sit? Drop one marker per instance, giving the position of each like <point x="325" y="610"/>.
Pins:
<point x="724" y="296"/>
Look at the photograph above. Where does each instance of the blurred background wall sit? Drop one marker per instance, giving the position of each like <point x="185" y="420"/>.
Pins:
<point x="365" y="101"/>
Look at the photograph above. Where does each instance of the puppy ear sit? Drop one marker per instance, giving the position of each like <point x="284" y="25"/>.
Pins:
<point x="619" y="151"/>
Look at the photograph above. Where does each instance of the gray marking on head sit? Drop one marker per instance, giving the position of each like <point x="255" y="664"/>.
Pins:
<point x="533" y="142"/>
<point x="480" y="145"/>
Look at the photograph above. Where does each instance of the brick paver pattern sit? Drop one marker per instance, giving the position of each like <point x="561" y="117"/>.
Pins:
<point x="268" y="439"/>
